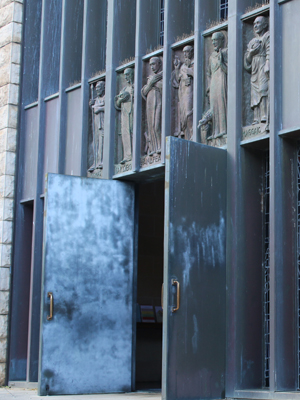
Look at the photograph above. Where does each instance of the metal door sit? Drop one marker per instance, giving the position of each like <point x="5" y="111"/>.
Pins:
<point x="194" y="272"/>
<point x="87" y="286"/>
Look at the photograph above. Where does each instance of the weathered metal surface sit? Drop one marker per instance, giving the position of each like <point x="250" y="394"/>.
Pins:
<point x="195" y="243"/>
<point x="88" y="266"/>
<point x="74" y="133"/>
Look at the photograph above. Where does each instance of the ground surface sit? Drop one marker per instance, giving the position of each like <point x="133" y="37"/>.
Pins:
<point x="7" y="393"/>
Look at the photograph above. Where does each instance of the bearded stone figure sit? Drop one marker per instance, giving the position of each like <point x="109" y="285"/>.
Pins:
<point x="257" y="63"/>
<point x="152" y="94"/>
<point x="217" y="88"/>
<point x="183" y="79"/>
<point x="98" y="108"/>
<point x="124" y="103"/>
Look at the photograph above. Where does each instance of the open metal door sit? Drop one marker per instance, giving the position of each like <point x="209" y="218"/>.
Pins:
<point x="194" y="272"/>
<point x="87" y="286"/>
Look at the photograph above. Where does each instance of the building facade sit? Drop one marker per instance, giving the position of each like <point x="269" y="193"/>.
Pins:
<point x="159" y="140"/>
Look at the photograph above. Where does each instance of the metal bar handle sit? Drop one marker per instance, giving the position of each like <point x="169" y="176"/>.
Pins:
<point x="49" y="317"/>
<point x="176" y="283"/>
<point x="162" y="297"/>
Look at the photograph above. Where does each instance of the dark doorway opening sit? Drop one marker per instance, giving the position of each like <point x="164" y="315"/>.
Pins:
<point x="149" y="285"/>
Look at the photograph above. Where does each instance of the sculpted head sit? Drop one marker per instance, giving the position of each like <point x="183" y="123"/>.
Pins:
<point x="188" y="52"/>
<point x="100" y="88"/>
<point x="155" y="64"/>
<point x="129" y="75"/>
<point x="218" y="40"/>
<point x="260" y="25"/>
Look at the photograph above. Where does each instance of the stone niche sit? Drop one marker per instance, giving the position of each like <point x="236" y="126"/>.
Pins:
<point x="182" y="80"/>
<point x="213" y="125"/>
<point x="96" y="129"/>
<point x="255" y="98"/>
<point x="124" y="105"/>
<point x="151" y="132"/>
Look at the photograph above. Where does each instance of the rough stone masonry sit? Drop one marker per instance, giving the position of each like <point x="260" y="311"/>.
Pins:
<point x="11" y="18"/>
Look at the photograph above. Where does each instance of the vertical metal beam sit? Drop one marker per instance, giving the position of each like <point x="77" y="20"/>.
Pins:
<point x="36" y="259"/>
<point x="138" y="76"/>
<point x="110" y="88"/>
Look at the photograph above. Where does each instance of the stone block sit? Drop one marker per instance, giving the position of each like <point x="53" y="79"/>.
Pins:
<point x="6" y="232"/>
<point x="5" y="255"/>
<point x="10" y="33"/>
<point x="4" y="303"/>
<point x="3" y="326"/>
<point x="16" y="53"/>
<point x="15" y="74"/>
<point x="5" y="75"/>
<point x="9" y="94"/>
<point x="2" y="373"/>
<point x="18" y="12"/>
<point x="9" y="116"/>
<point x="11" y="141"/>
<point x="4" y="278"/>
<point x="3" y="350"/>
<point x="8" y="140"/>
<point x="4" y="95"/>
<point x="8" y="210"/>
<point x="5" y="54"/>
<point x="10" y="163"/>
<point x="4" y="3"/>
<point x="7" y="186"/>
<point x="7" y="14"/>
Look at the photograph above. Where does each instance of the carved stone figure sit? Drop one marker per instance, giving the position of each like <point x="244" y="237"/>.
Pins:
<point x="217" y="88"/>
<point x="152" y="93"/>
<point x="124" y="103"/>
<point x="257" y="63"/>
<point x="182" y="79"/>
<point x="98" y="107"/>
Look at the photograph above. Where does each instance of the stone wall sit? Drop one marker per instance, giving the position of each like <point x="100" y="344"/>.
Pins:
<point x="11" y="17"/>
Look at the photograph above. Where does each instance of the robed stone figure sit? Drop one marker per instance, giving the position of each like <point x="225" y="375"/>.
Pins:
<point x="182" y="79"/>
<point x="98" y="108"/>
<point x="257" y="63"/>
<point x="152" y="94"/>
<point x="217" y="87"/>
<point x="124" y="103"/>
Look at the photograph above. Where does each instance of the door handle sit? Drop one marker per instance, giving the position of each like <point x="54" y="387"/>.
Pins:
<point x="49" y="317"/>
<point x="176" y="283"/>
<point x="162" y="297"/>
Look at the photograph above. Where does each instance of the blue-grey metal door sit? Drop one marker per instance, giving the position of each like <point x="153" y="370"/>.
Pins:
<point x="87" y="286"/>
<point x="194" y="272"/>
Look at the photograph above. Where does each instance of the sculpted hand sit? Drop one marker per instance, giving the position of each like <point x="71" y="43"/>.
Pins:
<point x="177" y="63"/>
<point x="267" y="69"/>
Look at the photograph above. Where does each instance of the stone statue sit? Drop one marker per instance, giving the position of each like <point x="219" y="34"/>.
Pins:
<point x="217" y="88"/>
<point x="98" y="108"/>
<point x="124" y="103"/>
<point x="257" y="63"/>
<point x="152" y="93"/>
<point x="182" y="79"/>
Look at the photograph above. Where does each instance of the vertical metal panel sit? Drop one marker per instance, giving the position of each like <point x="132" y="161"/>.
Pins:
<point x="51" y="45"/>
<point x="290" y="80"/>
<point x="282" y="270"/>
<point x="31" y="51"/>
<point x="88" y="259"/>
<point x="30" y="153"/>
<point x="93" y="62"/>
<point x="195" y="254"/>
<point x="244" y="259"/>
<point x="73" y="136"/>
<point x="20" y="296"/>
<point x="51" y="137"/>
<point x="120" y="45"/>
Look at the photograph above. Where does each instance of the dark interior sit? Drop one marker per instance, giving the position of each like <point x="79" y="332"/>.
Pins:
<point x="149" y="283"/>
